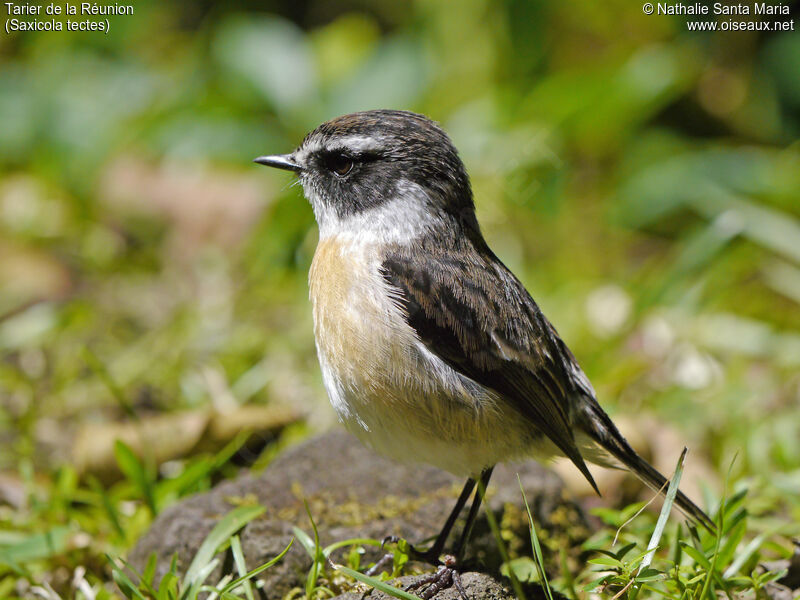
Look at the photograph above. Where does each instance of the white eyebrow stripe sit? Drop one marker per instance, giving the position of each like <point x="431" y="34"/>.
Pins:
<point x="353" y="143"/>
<point x="359" y="143"/>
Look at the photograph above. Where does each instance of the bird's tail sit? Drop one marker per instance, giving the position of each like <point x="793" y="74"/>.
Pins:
<point x="603" y="432"/>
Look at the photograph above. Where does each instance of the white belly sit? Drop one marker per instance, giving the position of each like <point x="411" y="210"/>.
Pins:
<point x="386" y="387"/>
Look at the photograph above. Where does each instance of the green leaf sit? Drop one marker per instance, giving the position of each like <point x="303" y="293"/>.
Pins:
<point x="649" y="574"/>
<point x="594" y="584"/>
<point x="620" y="554"/>
<point x="36" y="546"/>
<point x="771" y="576"/>
<point x="525" y="569"/>
<point x="696" y="555"/>
<point x="606" y="561"/>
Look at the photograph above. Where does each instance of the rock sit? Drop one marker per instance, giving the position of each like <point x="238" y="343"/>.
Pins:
<point x="354" y="493"/>
<point x="787" y="586"/>
<point x="477" y="585"/>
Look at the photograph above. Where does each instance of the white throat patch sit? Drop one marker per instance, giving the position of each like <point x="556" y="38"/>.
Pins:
<point x="402" y="219"/>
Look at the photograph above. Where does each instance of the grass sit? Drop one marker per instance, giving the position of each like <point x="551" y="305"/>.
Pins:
<point x="193" y="584"/>
<point x="692" y="563"/>
<point x="630" y="557"/>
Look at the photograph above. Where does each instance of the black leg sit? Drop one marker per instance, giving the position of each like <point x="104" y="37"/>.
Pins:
<point x="441" y="539"/>
<point x="431" y="555"/>
<point x="458" y="551"/>
<point x="447" y="574"/>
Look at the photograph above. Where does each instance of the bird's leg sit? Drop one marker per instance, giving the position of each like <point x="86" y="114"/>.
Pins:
<point x="473" y="513"/>
<point x="447" y="575"/>
<point x="431" y="555"/>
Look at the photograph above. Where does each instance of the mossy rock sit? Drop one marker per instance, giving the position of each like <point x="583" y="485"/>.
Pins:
<point x="354" y="493"/>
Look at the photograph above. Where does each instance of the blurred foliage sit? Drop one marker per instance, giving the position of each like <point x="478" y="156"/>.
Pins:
<point x="643" y="181"/>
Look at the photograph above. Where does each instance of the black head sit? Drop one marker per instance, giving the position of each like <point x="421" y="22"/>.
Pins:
<point x="365" y="160"/>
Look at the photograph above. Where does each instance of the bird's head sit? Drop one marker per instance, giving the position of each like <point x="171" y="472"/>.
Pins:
<point x="381" y="169"/>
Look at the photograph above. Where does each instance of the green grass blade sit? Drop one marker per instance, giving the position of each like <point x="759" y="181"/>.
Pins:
<point x="100" y="369"/>
<point x="145" y="580"/>
<point x="212" y="591"/>
<point x="317" y="557"/>
<point x="192" y="591"/>
<point x="150" y="569"/>
<point x="168" y="587"/>
<point x="305" y="541"/>
<point x="328" y="550"/>
<point x="669" y="499"/>
<point x="568" y="581"/>
<point x="226" y="527"/>
<point x="498" y="538"/>
<point x="537" y="548"/>
<point x="376" y="583"/>
<point x="124" y="583"/>
<point x="135" y="471"/>
<point x="250" y="574"/>
<point x="241" y="565"/>
<point x="199" y="469"/>
<point x="748" y="551"/>
<point x="108" y="505"/>
<point x="655" y="539"/>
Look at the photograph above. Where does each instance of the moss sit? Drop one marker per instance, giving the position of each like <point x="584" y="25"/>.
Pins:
<point x="355" y="512"/>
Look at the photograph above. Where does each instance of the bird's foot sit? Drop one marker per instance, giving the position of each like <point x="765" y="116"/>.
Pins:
<point x="446" y="576"/>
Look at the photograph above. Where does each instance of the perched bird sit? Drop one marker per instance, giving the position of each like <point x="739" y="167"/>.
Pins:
<point x="431" y="349"/>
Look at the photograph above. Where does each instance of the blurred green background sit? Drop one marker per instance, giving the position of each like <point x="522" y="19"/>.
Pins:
<point x="643" y="182"/>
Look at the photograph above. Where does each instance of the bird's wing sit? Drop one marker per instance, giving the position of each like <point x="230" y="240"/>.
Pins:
<point x="470" y="311"/>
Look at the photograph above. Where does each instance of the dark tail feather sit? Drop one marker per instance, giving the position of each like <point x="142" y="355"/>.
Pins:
<point x="603" y="431"/>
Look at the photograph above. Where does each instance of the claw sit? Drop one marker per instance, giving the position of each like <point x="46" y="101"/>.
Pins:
<point x="382" y="562"/>
<point x="445" y="576"/>
<point x="413" y="554"/>
<point x="389" y="539"/>
<point x="425" y="556"/>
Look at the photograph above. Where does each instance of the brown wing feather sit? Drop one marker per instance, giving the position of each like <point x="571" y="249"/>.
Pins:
<point x="470" y="310"/>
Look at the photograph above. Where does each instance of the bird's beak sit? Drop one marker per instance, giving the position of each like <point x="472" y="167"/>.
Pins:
<point x="279" y="161"/>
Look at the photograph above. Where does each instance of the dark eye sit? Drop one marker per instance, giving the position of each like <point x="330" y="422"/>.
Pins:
<point x="340" y="164"/>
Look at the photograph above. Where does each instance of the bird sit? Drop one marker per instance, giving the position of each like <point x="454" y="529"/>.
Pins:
<point x="431" y="349"/>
